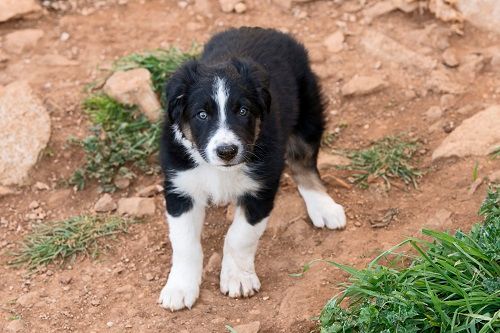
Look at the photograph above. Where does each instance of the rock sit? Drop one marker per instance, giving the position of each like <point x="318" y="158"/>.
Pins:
<point x="378" y="9"/>
<point x="213" y="264"/>
<point x="240" y="8"/>
<point x="27" y="300"/>
<point x="335" y="42"/>
<point x="5" y="191"/>
<point x="105" y="204"/>
<point x="252" y="327"/>
<point x="137" y="207"/>
<point x="122" y="182"/>
<point x="15" y="325"/>
<point x="64" y="36"/>
<point x="22" y="40"/>
<point x="65" y="279"/>
<point x="134" y="87"/>
<point x="326" y="161"/>
<point x="388" y="49"/>
<point x="24" y="132"/>
<point x="363" y="85"/>
<point x="228" y="6"/>
<point x="447" y="101"/>
<point x="433" y="113"/>
<point x="441" y="83"/>
<point x="481" y="13"/>
<point x="39" y="186"/>
<point x="150" y="191"/>
<point x="12" y="9"/>
<point x="450" y="58"/>
<point x="149" y="277"/>
<point x="34" y="205"/>
<point x="494" y="176"/>
<point x="478" y="135"/>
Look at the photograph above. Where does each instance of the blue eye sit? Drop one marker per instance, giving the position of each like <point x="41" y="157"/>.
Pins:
<point x="202" y="115"/>
<point x="243" y="112"/>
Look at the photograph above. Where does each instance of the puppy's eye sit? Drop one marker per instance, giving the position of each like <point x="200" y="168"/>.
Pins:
<point x="243" y="112"/>
<point x="202" y="115"/>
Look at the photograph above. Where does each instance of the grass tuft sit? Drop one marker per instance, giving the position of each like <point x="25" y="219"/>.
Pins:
<point x="451" y="285"/>
<point x="62" y="240"/>
<point x="389" y="158"/>
<point x="121" y="137"/>
<point x="160" y="63"/>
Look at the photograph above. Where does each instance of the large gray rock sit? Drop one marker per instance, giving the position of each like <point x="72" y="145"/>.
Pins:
<point x="10" y="9"/>
<point x="478" y="135"/>
<point x="24" y="132"/>
<point x="134" y="87"/>
<point x="481" y="13"/>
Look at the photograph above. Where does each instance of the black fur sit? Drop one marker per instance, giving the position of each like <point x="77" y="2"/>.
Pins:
<point x="269" y="73"/>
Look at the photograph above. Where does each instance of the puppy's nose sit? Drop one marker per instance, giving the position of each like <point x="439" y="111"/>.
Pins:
<point x="227" y="152"/>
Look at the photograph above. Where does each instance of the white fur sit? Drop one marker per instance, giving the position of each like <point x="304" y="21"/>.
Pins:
<point x="238" y="277"/>
<point x="183" y="285"/>
<point x="222" y="136"/>
<point x="322" y="210"/>
<point x="220" y="186"/>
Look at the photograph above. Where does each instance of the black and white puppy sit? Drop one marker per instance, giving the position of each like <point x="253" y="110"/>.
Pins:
<point x="250" y="103"/>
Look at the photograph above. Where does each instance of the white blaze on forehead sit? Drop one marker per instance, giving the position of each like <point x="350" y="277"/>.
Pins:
<point x="220" y="96"/>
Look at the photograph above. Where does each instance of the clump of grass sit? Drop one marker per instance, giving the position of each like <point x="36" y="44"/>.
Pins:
<point x="121" y="137"/>
<point x="451" y="285"/>
<point x="62" y="240"/>
<point x="161" y="63"/>
<point x="389" y="158"/>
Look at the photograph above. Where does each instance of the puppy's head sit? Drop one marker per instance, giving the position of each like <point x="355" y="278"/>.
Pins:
<point x="219" y="108"/>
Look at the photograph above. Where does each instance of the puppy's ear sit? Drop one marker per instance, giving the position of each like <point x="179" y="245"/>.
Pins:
<point x="258" y="77"/>
<point x="177" y="90"/>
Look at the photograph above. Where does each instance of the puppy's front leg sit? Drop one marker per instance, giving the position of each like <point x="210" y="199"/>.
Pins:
<point x="238" y="277"/>
<point x="183" y="285"/>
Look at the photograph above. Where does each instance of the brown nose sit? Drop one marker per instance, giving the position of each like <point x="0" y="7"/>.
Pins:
<point x="227" y="152"/>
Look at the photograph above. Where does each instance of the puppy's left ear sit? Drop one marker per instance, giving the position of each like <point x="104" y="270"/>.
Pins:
<point x="258" y="77"/>
<point x="177" y="90"/>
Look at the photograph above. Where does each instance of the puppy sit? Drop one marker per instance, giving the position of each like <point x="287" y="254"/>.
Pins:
<point x="233" y="117"/>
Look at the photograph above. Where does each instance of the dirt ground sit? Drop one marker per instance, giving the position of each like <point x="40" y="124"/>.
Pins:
<point x="118" y="291"/>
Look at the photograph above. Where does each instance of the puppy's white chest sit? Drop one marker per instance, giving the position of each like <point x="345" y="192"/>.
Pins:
<point x="220" y="186"/>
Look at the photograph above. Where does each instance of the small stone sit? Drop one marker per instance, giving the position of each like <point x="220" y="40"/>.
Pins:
<point x="433" y="113"/>
<point x="252" y="327"/>
<point x="41" y="186"/>
<point x="326" y="161"/>
<point x="105" y="204"/>
<point x="15" y="326"/>
<point x="228" y="6"/>
<point x="122" y="183"/>
<point x="450" y="58"/>
<point x="335" y="42"/>
<point x="357" y="224"/>
<point x="109" y="324"/>
<point x="363" y="85"/>
<point x="65" y="279"/>
<point x="136" y="206"/>
<point x="11" y="9"/>
<point x="4" y="191"/>
<point x="150" y="191"/>
<point x="149" y="277"/>
<point x="447" y="101"/>
<point x="449" y="127"/>
<point x="64" y="36"/>
<point x="95" y="302"/>
<point x="134" y="87"/>
<point x="34" y="205"/>
<point x="22" y="40"/>
<point x="240" y="8"/>
<point x="214" y="263"/>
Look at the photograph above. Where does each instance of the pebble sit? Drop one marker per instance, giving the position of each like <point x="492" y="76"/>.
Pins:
<point x="433" y="113"/>
<point x="34" y="205"/>
<point x="450" y="58"/>
<point x="95" y="302"/>
<point x="240" y="8"/>
<point x="136" y="206"/>
<point x="149" y="277"/>
<point x="335" y="42"/>
<point x="110" y="324"/>
<point x="41" y="186"/>
<point x="150" y="191"/>
<point x="105" y="204"/>
<point x="122" y="183"/>
<point x="214" y="263"/>
<point x="64" y="36"/>
<point x="252" y="327"/>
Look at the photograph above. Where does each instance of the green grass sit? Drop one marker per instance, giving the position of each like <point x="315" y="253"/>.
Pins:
<point x="122" y="140"/>
<point x="452" y="284"/>
<point x="63" y="240"/>
<point x="389" y="159"/>
<point x="160" y="63"/>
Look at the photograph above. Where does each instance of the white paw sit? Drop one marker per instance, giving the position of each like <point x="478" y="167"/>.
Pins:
<point x="323" y="211"/>
<point x="236" y="281"/>
<point x="179" y="293"/>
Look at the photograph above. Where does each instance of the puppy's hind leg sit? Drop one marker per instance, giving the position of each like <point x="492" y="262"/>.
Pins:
<point x="321" y="208"/>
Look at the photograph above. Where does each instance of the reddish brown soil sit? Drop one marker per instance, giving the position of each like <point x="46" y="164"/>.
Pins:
<point x="114" y="288"/>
